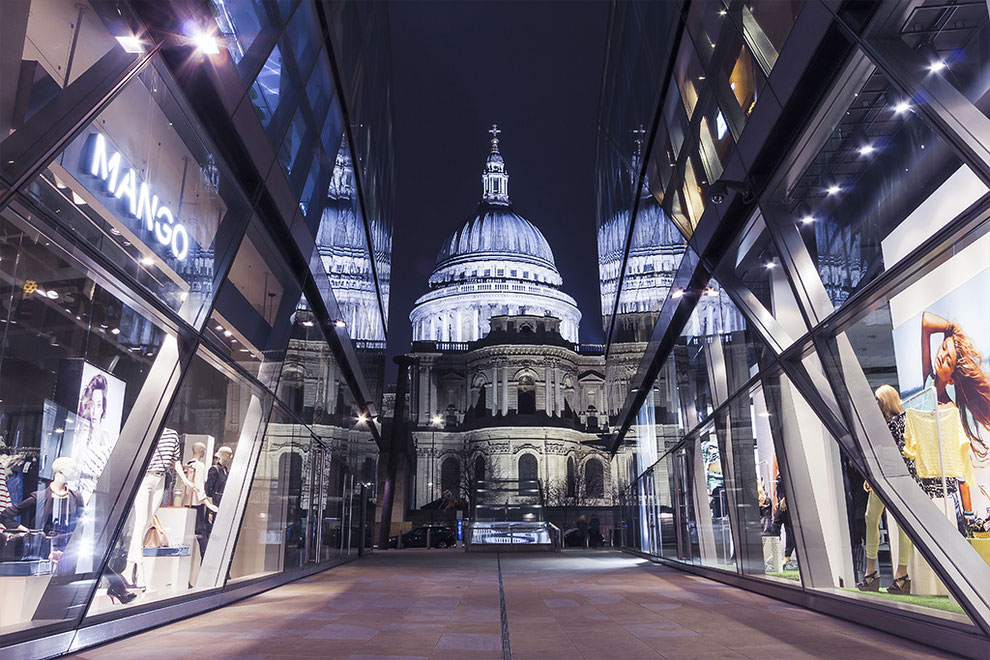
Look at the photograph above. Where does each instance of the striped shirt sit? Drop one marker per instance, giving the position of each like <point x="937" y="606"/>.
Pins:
<point x="94" y="459"/>
<point x="167" y="451"/>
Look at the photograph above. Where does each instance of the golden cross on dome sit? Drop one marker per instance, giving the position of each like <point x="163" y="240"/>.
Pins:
<point x="494" y="131"/>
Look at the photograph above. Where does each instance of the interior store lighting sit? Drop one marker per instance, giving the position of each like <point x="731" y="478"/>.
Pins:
<point x="340" y="323"/>
<point x="147" y="261"/>
<point x="131" y="44"/>
<point x="833" y="189"/>
<point x="805" y="215"/>
<point x="206" y="43"/>
<point x="901" y="107"/>
<point x="866" y="150"/>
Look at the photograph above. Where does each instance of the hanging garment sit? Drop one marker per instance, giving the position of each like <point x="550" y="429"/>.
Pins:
<point x="4" y="493"/>
<point x="931" y="486"/>
<point x="923" y="429"/>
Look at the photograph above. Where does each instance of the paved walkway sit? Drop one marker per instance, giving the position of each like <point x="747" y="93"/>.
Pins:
<point x="445" y="604"/>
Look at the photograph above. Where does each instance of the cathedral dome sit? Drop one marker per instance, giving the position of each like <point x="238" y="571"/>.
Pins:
<point x="494" y="263"/>
<point x="496" y="230"/>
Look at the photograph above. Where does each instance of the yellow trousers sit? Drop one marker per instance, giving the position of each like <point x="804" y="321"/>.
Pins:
<point x="874" y="509"/>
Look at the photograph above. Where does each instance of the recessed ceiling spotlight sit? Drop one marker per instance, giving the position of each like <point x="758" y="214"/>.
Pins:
<point x="833" y="189"/>
<point x="937" y="65"/>
<point x="804" y="214"/>
<point x="115" y="331"/>
<point x="340" y="323"/>
<point x="227" y="333"/>
<point x="205" y="42"/>
<point x="769" y="265"/>
<point x="678" y="293"/>
<point x="901" y="107"/>
<point x="52" y="295"/>
<point x="308" y="324"/>
<point x="147" y="261"/>
<point x="866" y="150"/>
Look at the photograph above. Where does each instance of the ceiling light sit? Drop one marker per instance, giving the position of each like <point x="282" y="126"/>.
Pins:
<point x="804" y="214"/>
<point x="147" y="261"/>
<point x="219" y="328"/>
<point x="115" y="231"/>
<point x="866" y="150"/>
<point x="308" y="324"/>
<point x="678" y="293"/>
<point x="711" y="292"/>
<point x="362" y="418"/>
<point x="769" y="265"/>
<point x="52" y="295"/>
<point x="901" y="107"/>
<point x="937" y="65"/>
<point x="227" y="333"/>
<point x="340" y="323"/>
<point x="833" y="189"/>
<point x="77" y="200"/>
<point x="206" y="43"/>
<point x="115" y="331"/>
<point x="722" y="12"/>
<point x="131" y="44"/>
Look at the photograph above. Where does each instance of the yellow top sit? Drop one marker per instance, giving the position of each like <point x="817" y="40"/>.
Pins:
<point x="921" y="439"/>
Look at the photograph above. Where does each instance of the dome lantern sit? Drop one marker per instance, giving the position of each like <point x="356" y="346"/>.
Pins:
<point x="495" y="180"/>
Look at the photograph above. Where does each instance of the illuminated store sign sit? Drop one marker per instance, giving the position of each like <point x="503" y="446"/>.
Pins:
<point x="136" y="197"/>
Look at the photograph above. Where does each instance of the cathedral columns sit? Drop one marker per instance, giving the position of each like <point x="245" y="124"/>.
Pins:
<point x="558" y="400"/>
<point x="494" y="388"/>
<point x="547" y="405"/>
<point x="505" y="389"/>
<point x="457" y="326"/>
<point x="476" y="316"/>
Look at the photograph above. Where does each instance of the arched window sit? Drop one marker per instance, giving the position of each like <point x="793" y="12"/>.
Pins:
<point x="526" y="396"/>
<point x="571" y="481"/>
<point x="479" y="468"/>
<point x="450" y="476"/>
<point x="594" y="479"/>
<point x="528" y="468"/>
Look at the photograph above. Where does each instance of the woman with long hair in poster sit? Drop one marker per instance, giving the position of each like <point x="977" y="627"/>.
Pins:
<point x="958" y="363"/>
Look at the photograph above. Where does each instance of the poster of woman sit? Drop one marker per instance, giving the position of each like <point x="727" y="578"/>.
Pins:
<point x="942" y="350"/>
<point x="98" y="419"/>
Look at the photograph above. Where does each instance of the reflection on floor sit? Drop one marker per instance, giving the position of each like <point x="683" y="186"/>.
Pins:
<point x="445" y="604"/>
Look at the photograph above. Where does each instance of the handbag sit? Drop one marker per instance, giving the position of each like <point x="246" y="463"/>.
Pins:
<point x="155" y="536"/>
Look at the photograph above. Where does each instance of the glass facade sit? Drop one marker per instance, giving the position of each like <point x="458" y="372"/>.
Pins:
<point x="194" y="254"/>
<point x="808" y="406"/>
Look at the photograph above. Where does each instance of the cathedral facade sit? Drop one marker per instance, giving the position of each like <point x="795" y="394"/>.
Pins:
<point x="500" y="387"/>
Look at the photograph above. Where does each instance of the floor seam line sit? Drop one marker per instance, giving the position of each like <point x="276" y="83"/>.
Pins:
<point x="506" y="645"/>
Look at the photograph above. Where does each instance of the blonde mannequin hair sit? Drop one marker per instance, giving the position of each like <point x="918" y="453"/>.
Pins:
<point x="889" y="401"/>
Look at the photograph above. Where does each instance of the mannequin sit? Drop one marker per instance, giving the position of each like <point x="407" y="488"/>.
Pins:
<point x="216" y="481"/>
<point x="167" y="455"/>
<point x="57" y="510"/>
<point x="198" y="499"/>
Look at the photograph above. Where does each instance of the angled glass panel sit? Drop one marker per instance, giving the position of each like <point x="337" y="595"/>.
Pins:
<point x="952" y="41"/>
<point x="251" y="321"/>
<point x="174" y="535"/>
<point x="753" y="275"/>
<point x="756" y="488"/>
<point x="882" y="183"/>
<point x="141" y="185"/>
<point x="73" y="362"/>
<point x="264" y="529"/>
<point x="59" y="54"/>
<point x="716" y="546"/>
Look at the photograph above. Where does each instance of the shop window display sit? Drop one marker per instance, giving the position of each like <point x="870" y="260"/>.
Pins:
<point x="188" y="494"/>
<point x="74" y="360"/>
<point x="923" y="350"/>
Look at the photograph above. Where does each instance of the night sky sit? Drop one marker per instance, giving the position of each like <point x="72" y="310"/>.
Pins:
<point x="535" y="69"/>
